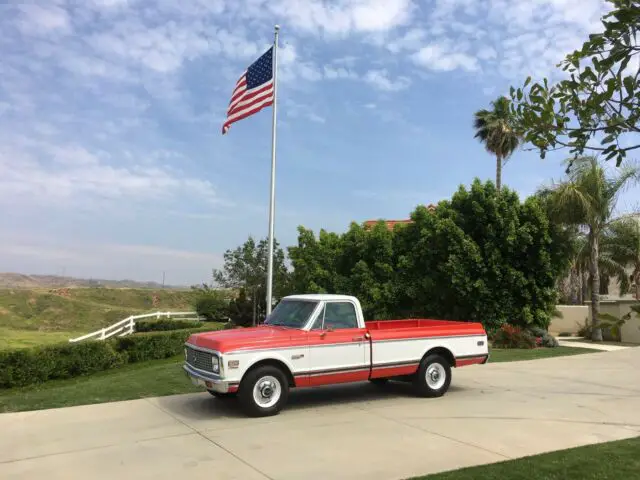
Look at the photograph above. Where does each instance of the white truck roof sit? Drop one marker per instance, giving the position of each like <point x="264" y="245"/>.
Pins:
<point x="321" y="297"/>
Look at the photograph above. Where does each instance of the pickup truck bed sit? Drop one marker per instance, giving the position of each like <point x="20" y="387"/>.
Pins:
<point x="397" y="346"/>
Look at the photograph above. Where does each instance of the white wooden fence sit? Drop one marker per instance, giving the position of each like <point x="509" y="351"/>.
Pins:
<point x="127" y="326"/>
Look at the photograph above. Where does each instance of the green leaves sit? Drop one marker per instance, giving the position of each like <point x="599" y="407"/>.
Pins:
<point x="477" y="257"/>
<point x="600" y="94"/>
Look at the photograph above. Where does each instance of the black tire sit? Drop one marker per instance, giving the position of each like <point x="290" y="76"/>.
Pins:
<point x="266" y="374"/>
<point x="379" y="382"/>
<point x="436" y="366"/>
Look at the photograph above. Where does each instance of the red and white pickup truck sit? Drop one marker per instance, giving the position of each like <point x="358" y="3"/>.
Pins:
<point x="313" y="340"/>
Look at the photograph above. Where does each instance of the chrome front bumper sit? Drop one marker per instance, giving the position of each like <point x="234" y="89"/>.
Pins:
<point x="210" y="381"/>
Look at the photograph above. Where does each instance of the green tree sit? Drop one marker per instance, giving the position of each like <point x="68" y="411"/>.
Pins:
<point x="358" y="262"/>
<point x="479" y="256"/>
<point x="597" y="108"/>
<point x="496" y="130"/>
<point x="245" y="268"/>
<point x="587" y="198"/>
<point x="622" y="243"/>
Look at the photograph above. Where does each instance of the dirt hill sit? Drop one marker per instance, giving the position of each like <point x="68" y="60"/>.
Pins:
<point x="19" y="280"/>
<point x="43" y="311"/>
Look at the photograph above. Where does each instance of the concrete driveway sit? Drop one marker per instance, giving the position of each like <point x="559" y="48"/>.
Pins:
<point x="492" y="413"/>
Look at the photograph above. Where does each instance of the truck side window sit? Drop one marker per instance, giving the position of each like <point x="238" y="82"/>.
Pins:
<point x="317" y="324"/>
<point x="340" y="315"/>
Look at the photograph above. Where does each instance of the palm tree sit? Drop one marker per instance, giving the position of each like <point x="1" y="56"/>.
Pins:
<point x="496" y="130"/>
<point x="623" y="242"/>
<point x="587" y="199"/>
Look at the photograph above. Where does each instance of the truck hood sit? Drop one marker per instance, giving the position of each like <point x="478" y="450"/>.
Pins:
<point x="247" y="338"/>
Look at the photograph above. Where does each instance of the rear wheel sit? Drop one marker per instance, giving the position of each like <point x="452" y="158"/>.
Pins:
<point x="263" y="391"/>
<point x="433" y="377"/>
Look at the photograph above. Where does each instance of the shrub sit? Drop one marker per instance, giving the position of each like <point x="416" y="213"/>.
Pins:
<point x="26" y="366"/>
<point x="153" y="345"/>
<point x="564" y="334"/>
<point x="163" y="325"/>
<point x="22" y="367"/>
<point x="510" y="336"/>
<point x="545" y="338"/>
<point x="585" y="329"/>
<point x="213" y="306"/>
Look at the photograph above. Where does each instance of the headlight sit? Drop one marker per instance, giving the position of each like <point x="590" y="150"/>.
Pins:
<point x="215" y="363"/>
<point x="186" y="355"/>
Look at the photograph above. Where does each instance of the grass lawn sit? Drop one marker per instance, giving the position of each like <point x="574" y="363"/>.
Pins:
<point x="145" y="379"/>
<point x="515" y="354"/>
<point x="605" y="461"/>
<point x="10" y="338"/>
<point x="604" y="342"/>
<point x="162" y="377"/>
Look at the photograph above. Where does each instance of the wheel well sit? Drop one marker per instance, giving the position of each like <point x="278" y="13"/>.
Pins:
<point x="443" y="352"/>
<point x="274" y="363"/>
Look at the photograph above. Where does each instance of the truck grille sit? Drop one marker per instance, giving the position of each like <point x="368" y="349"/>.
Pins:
<point x="199" y="359"/>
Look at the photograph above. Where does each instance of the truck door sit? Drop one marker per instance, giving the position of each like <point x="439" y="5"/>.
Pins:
<point x="338" y="349"/>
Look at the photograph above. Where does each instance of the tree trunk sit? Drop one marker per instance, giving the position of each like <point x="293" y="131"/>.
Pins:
<point x="636" y="281"/>
<point x="498" y="173"/>
<point x="596" y="331"/>
<point x="254" y="307"/>
<point x="584" y="287"/>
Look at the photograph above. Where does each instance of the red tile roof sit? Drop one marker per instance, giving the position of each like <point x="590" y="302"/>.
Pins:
<point x="392" y="223"/>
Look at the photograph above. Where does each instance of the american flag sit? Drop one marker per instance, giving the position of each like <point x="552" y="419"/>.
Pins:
<point x="253" y="92"/>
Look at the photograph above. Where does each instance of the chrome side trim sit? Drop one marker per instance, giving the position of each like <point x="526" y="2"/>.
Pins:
<point x="328" y="345"/>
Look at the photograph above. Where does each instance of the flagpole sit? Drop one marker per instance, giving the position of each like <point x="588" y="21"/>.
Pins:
<point x="272" y="200"/>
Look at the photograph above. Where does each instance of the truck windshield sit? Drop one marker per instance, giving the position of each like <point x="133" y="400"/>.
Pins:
<point x="291" y="313"/>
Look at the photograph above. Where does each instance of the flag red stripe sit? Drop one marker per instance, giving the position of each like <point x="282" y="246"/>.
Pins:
<point x="249" y="107"/>
<point x="239" y="90"/>
<point x="228" y="123"/>
<point x="248" y="96"/>
<point x="249" y="100"/>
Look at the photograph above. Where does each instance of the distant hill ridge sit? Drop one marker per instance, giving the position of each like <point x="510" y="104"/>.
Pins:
<point x="20" y="280"/>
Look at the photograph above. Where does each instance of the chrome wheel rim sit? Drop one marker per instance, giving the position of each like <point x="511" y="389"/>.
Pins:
<point x="435" y="375"/>
<point x="267" y="391"/>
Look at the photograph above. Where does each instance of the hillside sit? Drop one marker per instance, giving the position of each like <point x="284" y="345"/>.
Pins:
<point x="45" y="315"/>
<point x="19" y="280"/>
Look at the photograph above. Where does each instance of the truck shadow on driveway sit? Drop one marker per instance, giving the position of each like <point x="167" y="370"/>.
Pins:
<point x="204" y="406"/>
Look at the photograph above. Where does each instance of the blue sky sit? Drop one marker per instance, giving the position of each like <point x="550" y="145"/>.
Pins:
<point x="112" y="162"/>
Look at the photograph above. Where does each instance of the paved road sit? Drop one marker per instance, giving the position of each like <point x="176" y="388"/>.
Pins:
<point x="492" y="413"/>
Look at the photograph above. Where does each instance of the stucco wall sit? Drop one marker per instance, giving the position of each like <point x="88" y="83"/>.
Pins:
<point x="630" y="331"/>
<point x="573" y="317"/>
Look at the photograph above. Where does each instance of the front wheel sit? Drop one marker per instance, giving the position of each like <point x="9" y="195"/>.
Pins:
<point x="433" y="377"/>
<point x="264" y="391"/>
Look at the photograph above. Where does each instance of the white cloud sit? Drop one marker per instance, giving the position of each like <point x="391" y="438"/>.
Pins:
<point x="411" y="40"/>
<point x="441" y="58"/>
<point x="342" y="17"/>
<point x="380" y="79"/>
<point x="333" y="73"/>
<point x="487" y="53"/>
<point x="37" y="19"/>
<point x="67" y="174"/>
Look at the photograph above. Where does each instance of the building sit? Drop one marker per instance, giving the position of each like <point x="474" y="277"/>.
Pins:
<point x="392" y="223"/>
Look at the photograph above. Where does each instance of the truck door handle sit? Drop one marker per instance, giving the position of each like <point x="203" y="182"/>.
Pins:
<point x="358" y="339"/>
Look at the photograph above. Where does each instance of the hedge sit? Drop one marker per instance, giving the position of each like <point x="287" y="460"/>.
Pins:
<point x="164" y="325"/>
<point x="23" y="367"/>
